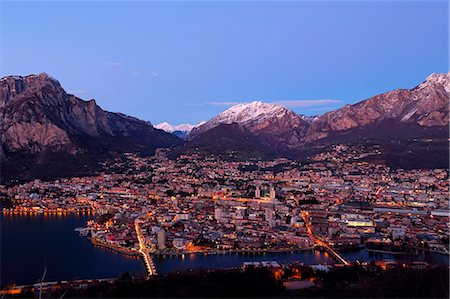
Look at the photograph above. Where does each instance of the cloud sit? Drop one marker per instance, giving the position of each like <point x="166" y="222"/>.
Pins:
<point x="285" y="103"/>
<point x="304" y="103"/>
<point x="115" y="64"/>
<point x="155" y="74"/>
<point x="135" y="74"/>
<point x="229" y="103"/>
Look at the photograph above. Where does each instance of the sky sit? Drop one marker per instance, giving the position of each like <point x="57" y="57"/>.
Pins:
<point x="184" y="62"/>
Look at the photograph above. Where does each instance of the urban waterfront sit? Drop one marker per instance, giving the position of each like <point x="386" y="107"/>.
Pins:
<point x="422" y="256"/>
<point x="170" y="264"/>
<point x="49" y="241"/>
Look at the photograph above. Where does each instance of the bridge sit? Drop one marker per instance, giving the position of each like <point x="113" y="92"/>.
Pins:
<point x="149" y="264"/>
<point x="323" y="244"/>
<point x="332" y="252"/>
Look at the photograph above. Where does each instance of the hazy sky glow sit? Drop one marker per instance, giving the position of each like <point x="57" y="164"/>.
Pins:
<point x="187" y="61"/>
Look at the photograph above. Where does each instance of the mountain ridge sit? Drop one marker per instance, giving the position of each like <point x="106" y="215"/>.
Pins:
<point x="400" y="114"/>
<point x="425" y="104"/>
<point x="46" y="132"/>
<point x="39" y="118"/>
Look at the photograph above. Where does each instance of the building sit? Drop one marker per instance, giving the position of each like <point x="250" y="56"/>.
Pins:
<point x="272" y="193"/>
<point x="179" y="243"/>
<point x="161" y="239"/>
<point x="257" y="192"/>
<point x="269" y="217"/>
<point x="218" y="213"/>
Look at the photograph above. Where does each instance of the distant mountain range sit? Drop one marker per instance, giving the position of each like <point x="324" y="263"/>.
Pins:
<point x="266" y="129"/>
<point x="181" y="130"/>
<point x="46" y="132"/>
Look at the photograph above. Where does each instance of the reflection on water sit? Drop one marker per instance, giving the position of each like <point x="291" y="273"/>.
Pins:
<point x="168" y="264"/>
<point x="422" y="256"/>
<point x="31" y="242"/>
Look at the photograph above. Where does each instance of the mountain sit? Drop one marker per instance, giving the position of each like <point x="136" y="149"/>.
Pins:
<point x="226" y="140"/>
<point x="44" y="130"/>
<point x="269" y="126"/>
<point x="401" y="116"/>
<point x="181" y="130"/>
<point x="181" y="127"/>
<point x="402" y="113"/>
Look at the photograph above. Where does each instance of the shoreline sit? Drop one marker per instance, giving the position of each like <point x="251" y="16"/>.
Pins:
<point x="432" y="251"/>
<point x="126" y="251"/>
<point x="390" y="252"/>
<point x="407" y="253"/>
<point x="57" y="211"/>
<point x="129" y="252"/>
<point x="224" y="252"/>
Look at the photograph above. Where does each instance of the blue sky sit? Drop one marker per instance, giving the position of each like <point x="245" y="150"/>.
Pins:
<point x="187" y="61"/>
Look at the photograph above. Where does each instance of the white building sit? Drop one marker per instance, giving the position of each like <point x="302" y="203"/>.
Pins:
<point x="161" y="239"/>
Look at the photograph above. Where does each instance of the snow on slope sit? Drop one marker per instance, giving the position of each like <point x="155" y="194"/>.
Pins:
<point x="439" y="79"/>
<point x="181" y="127"/>
<point x="244" y="113"/>
<point x="254" y="116"/>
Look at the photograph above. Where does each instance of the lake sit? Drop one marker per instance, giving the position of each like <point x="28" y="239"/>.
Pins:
<point x="422" y="256"/>
<point x="169" y="264"/>
<point x="29" y="243"/>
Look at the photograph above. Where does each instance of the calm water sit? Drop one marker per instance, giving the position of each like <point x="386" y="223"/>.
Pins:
<point x="29" y="243"/>
<point x="423" y="256"/>
<point x="169" y="264"/>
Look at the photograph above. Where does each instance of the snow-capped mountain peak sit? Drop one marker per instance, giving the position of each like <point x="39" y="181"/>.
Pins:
<point x="165" y="126"/>
<point x="309" y="119"/>
<point x="439" y="79"/>
<point x="181" y="127"/>
<point x="254" y="116"/>
<point x="243" y="113"/>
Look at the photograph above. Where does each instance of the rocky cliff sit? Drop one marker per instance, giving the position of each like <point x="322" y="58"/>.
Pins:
<point x="39" y="118"/>
<point x="412" y="112"/>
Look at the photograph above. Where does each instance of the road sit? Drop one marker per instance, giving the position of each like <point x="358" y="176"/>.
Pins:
<point x="149" y="264"/>
<point x="321" y="243"/>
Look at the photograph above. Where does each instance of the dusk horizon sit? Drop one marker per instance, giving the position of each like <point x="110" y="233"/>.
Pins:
<point x="183" y="62"/>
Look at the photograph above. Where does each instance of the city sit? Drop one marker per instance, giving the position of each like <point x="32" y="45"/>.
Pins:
<point x="193" y="204"/>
